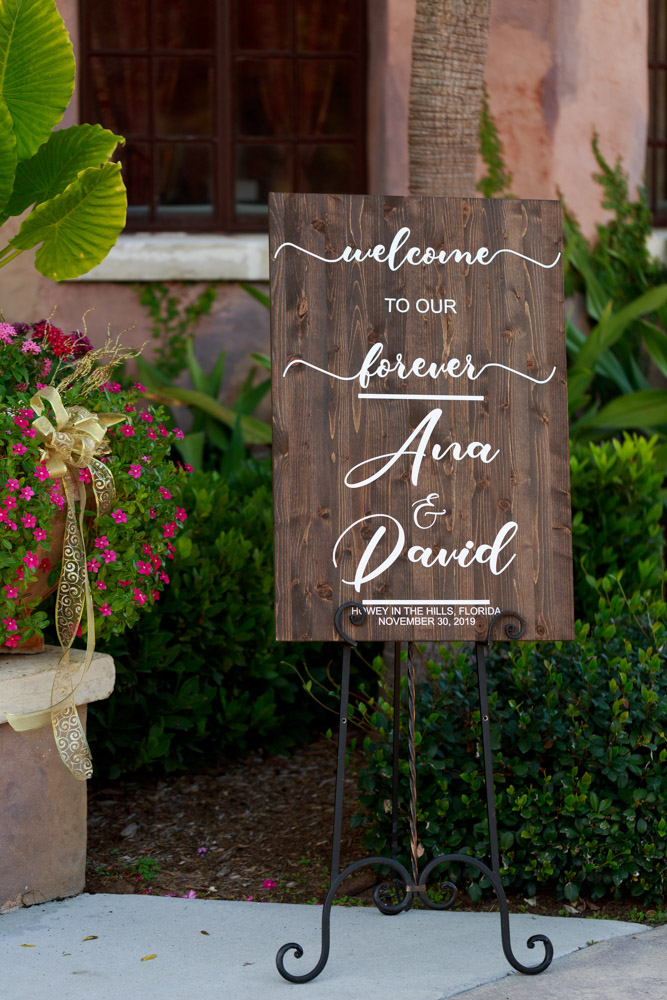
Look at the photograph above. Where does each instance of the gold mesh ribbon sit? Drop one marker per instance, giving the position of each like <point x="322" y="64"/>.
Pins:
<point x="72" y="444"/>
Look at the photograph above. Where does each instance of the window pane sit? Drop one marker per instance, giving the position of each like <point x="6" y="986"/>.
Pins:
<point x="325" y="26"/>
<point x="326" y="96"/>
<point x="185" y="179"/>
<point x="327" y="169"/>
<point x="184" y="99"/>
<point x="184" y="24"/>
<point x="260" y="169"/>
<point x="136" y="160"/>
<point x="264" y="24"/>
<point x="119" y="98"/>
<point x="118" y="25"/>
<point x="263" y="95"/>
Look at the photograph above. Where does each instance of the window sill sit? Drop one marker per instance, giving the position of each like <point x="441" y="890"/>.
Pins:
<point x="185" y="257"/>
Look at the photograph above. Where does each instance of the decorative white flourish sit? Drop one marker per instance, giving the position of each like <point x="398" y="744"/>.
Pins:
<point x="415" y="255"/>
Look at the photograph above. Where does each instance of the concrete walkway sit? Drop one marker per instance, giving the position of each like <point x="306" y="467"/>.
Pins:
<point x="108" y="947"/>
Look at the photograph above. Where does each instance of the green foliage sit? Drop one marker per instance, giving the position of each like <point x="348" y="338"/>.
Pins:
<point x="203" y="676"/>
<point x="617" y="509"/>
<point x="173" y="322"/>
<point x="78" y="196"/>
<point x="497" y="180"/>
<point x="580" y="743"/>
<point x="219" y="434"/>
<point x="626" y="302"/>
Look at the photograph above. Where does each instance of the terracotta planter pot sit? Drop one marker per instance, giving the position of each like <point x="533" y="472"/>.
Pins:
<point x="40" y="589"/>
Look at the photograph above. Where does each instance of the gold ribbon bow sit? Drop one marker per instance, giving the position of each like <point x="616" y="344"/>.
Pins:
<point x="74" y="442"/>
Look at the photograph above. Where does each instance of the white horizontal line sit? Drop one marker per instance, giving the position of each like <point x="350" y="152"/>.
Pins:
<point x="410" y="395"/>
<point x="421" y="601"/>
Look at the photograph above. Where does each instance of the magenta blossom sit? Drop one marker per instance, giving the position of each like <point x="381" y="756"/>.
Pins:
<point x="27" y="493"/>
<point x="109" y="555"/>
<point x="94" y="566"/>
<point x="40" y="534"/>
<point x="30" y="347"/>
<point x="144" y="568"/>
<point x="134" y="471"/>
<point x="13" y="640"/>
<point x="127" y="430"/>
<point x="12" y="592"/>
<point x="85" y="476"/>
<point x="105" y="609"/>
<point x="102" y="542"/>
<point x="31" y="560"/>
<point x="11" y="485"/>
<point x="41" y="473"/>
<point x="119" y="516"/>
<point x="139" y="597"/>
<point x="11" y="625"/>
<point x="269" y="883"/>
<point x="19" y="449"/>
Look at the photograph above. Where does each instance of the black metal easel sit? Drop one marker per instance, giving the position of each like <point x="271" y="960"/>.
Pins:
<point x="404" y="883"/>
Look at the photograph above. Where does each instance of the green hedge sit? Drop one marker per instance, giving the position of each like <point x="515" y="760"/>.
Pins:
<point x="580" y="740"/>
<point x="616" y="507"/>
<point x="202" y="676"/>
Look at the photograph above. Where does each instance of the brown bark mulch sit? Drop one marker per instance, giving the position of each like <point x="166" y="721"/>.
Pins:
<point x="258" y="829"/>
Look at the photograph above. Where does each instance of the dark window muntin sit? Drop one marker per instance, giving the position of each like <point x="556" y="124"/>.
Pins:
<point x="656" y="153"/>
<point x="224" y="142"/>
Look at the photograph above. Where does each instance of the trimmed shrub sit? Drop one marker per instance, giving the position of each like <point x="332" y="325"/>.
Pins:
<point x="203" y="677"/>
<point x="616" y="508"/>
<point x="580" y="743"/>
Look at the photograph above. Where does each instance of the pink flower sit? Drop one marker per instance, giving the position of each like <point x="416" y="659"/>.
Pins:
<point x="41" y="473"/>
<point x="119" y="516"/>
<point x="157" y="562"/>
<point x="202" y="850"/>
<point x="138" y="596"/>
<point x="180" y="514"/>
<point x="29" y="520"/>
<point x="12" y="524"/>
<point x="169" y="529"/>
<point x="129" y="408"/>
<point x="105" y="609"/>
<point x="189" y="468"/>
<point x="189" y="895"/>
<point x="19" y="574"/>
<point x="94" y="566"/>
<point x="13" y="640"/>
<point x="156" y="595"/>
<point x="101" y="585"/>
<point x="111" y="387"/>
<point x="30" y="347"/>
<point x="10" y="624"/>
<point x="27" y="493"/>
<point x="163" y="576"/>
<point x="134" y="471"/>
<point x="249" y="899"/>
<point x="148" y="417"/>
<point x="163" y="431"/>
<point x="178" y="433"/>
<point x="124" y="583"/>
<point x="29" y="433"/>
<point x="170" y="550"/>
<point x="85" y="476"/>
<point x="12" y="484"/>
<point x="109" y="555"/>
<point x="164" y="492"/>
<point x="7" y="333"/>
<point x="45" y="367"/>
<point x="139" y="387"/>
<point x="151" y="512"/>
<point x="19" y="449"/>
<point x="45" y="565"/>
<point x="102" y="542"/>
<point x="12" y="592"/>
<point x="9" y="503"/>
<point x="146" y="549"/>
<point x="40" y="534"/>
<point x="269" y="883"/>
<point x="152" y="435"/>
<point x="31" y="560"/>
<point x="127" y="430"/>
<point x="144" y="568"/>
<point x="20" y="421"/>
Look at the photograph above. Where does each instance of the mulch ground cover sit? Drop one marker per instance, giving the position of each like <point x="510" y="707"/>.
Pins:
<point x="258" y="829"/>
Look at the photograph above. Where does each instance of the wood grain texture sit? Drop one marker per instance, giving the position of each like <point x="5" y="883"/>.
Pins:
<point x="328" y="315"/>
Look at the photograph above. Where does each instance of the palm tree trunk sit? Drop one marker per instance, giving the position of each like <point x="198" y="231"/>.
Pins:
<point x="448" y="56"/>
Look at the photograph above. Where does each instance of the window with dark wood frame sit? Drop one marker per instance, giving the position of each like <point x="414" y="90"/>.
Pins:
<point x="656" y="153"/>
<point x="222" y="101"/>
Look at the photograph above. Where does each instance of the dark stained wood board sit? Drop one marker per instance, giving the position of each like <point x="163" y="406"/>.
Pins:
<point x="505" y="499"/>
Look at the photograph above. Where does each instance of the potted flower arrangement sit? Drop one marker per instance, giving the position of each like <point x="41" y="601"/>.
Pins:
<point x="85" y="465"/>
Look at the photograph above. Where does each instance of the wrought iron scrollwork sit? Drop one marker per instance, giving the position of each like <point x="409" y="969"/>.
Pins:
<point x="357" y="619"/>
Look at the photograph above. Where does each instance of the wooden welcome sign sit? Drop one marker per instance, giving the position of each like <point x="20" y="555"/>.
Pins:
<point x="420" y="416"/>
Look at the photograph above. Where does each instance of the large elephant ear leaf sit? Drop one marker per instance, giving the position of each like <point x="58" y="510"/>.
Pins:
<point x="7" y="153"/>
<point x="57" y="163"/>
<point x="78" y="227"/>
<point x="36" y="70"/>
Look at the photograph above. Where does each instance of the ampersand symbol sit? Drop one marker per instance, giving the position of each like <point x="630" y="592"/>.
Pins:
<point x="427" y="502"/>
